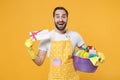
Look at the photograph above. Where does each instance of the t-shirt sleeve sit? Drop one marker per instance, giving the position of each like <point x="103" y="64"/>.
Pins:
<point x="44" y="45"/>
<point x="80" y="40"/>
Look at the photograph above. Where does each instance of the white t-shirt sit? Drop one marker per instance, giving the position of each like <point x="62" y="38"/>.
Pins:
<point x="74" y="37"/>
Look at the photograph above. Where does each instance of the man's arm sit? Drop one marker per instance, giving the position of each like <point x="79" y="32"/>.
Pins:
<point x="37" y="59"/>
<point x="40" y="57"/>
<point x="84" y="45"/>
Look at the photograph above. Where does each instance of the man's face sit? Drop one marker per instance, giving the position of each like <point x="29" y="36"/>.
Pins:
<point x="60" y="19"/>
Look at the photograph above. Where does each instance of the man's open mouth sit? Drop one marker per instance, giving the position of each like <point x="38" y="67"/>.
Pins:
<point x="60" y="23"/>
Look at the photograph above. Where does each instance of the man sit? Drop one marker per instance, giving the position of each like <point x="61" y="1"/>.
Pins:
<point x="59" y="47"/>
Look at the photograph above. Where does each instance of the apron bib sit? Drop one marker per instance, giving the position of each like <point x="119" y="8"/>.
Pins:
<point x="61" y="62"/>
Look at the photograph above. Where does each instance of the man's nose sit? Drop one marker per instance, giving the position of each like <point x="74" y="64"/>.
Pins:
<point x="60" y="19"/>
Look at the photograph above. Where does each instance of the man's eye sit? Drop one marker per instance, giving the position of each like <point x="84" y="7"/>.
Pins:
<point x="63" y="17"/>
<point x="57" y="16"/>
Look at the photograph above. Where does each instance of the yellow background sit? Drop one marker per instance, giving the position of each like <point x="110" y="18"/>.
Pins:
<point x="98" y="21"/>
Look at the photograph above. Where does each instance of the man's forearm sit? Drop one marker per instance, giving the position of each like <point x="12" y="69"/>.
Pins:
<point x="31" y="53"/>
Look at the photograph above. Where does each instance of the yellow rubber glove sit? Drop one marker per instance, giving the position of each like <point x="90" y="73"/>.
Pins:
<point x="95" y="61"/>
<point x="101" y="56"/>
<point x="98" y="59"/>
<point x="29" y="44"/>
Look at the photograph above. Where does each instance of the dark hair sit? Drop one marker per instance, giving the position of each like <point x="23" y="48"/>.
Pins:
<point x="60" y="8"/>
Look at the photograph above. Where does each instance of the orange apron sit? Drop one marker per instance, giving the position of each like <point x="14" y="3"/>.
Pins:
<point x="61" y="62"/>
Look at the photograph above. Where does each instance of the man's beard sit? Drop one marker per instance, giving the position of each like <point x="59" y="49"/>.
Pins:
<point x="60" y="29"/>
